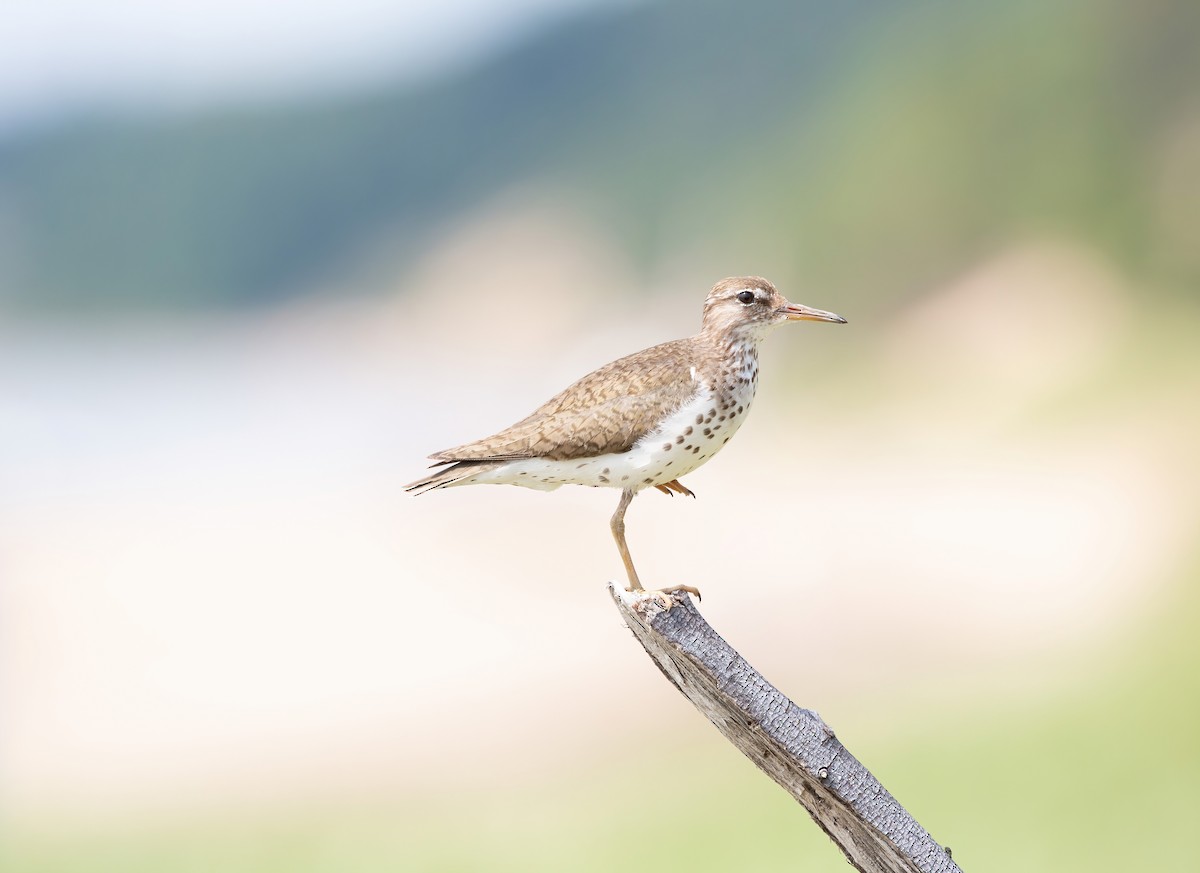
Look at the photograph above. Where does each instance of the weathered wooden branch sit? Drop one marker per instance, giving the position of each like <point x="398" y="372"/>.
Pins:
<point x="791" y="745"/>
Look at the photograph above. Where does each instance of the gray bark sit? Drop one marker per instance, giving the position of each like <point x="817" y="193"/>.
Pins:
<point x="791" y="745"/>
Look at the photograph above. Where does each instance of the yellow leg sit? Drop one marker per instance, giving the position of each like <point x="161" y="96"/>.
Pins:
<point x="618" y="531"/>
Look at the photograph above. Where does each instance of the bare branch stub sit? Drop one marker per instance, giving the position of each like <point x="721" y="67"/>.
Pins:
<point x="790" y="744"/>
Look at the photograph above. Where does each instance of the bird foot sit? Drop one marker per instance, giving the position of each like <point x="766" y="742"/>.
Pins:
<point x="662" y="596"/>
<point x="677" y="487"/>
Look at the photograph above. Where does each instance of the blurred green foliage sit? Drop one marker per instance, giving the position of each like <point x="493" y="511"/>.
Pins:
<point x="850" y="143"/>
<point x="868" y="145"/>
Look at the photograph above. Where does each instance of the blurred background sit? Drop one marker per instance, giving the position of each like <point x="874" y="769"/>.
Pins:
<point x="257" y="260"/>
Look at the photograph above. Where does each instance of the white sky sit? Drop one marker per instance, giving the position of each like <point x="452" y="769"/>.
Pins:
<point x="58" y="54"/>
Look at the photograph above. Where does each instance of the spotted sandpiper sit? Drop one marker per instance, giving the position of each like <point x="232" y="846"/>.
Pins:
<point x="642" y="421"/>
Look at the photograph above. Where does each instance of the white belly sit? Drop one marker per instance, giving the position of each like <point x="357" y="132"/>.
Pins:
<point x="685" y="440"/>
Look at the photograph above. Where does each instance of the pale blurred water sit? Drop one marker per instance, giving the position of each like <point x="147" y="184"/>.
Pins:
<point x="214" y="588"/>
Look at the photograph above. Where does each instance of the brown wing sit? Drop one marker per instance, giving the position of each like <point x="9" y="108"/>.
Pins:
<point x="606" y="411"/>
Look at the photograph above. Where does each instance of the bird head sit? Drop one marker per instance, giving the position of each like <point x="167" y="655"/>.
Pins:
<point x="749" y="306"/>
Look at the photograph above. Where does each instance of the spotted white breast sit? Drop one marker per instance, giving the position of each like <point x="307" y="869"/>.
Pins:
<point x="683" y="441"/>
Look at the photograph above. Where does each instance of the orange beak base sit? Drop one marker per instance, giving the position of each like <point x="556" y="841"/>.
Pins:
<point x="796" y="312"/>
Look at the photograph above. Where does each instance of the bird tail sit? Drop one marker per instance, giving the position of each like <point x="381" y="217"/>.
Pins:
<point x="452" y="475"/>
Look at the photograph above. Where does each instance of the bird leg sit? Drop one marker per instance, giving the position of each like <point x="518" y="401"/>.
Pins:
<point x="618" y="531"/>
<point x="676" y="486"/>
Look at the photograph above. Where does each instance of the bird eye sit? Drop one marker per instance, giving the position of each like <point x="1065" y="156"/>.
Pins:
<point x="746" y="297"/>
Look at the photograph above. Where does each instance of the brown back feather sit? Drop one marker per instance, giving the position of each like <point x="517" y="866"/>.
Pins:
<point x="606" y="411"/>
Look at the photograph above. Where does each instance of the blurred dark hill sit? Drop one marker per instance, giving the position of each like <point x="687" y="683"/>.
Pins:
<point x="850" y="143"/>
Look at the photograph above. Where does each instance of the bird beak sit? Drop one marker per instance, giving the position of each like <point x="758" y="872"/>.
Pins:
<point x="796" y="312"/>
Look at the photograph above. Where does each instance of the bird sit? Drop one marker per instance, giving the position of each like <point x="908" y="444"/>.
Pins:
<point x="642" y="421"/>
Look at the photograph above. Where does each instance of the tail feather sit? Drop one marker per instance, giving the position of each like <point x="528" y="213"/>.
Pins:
<point x="452" y="475"/>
